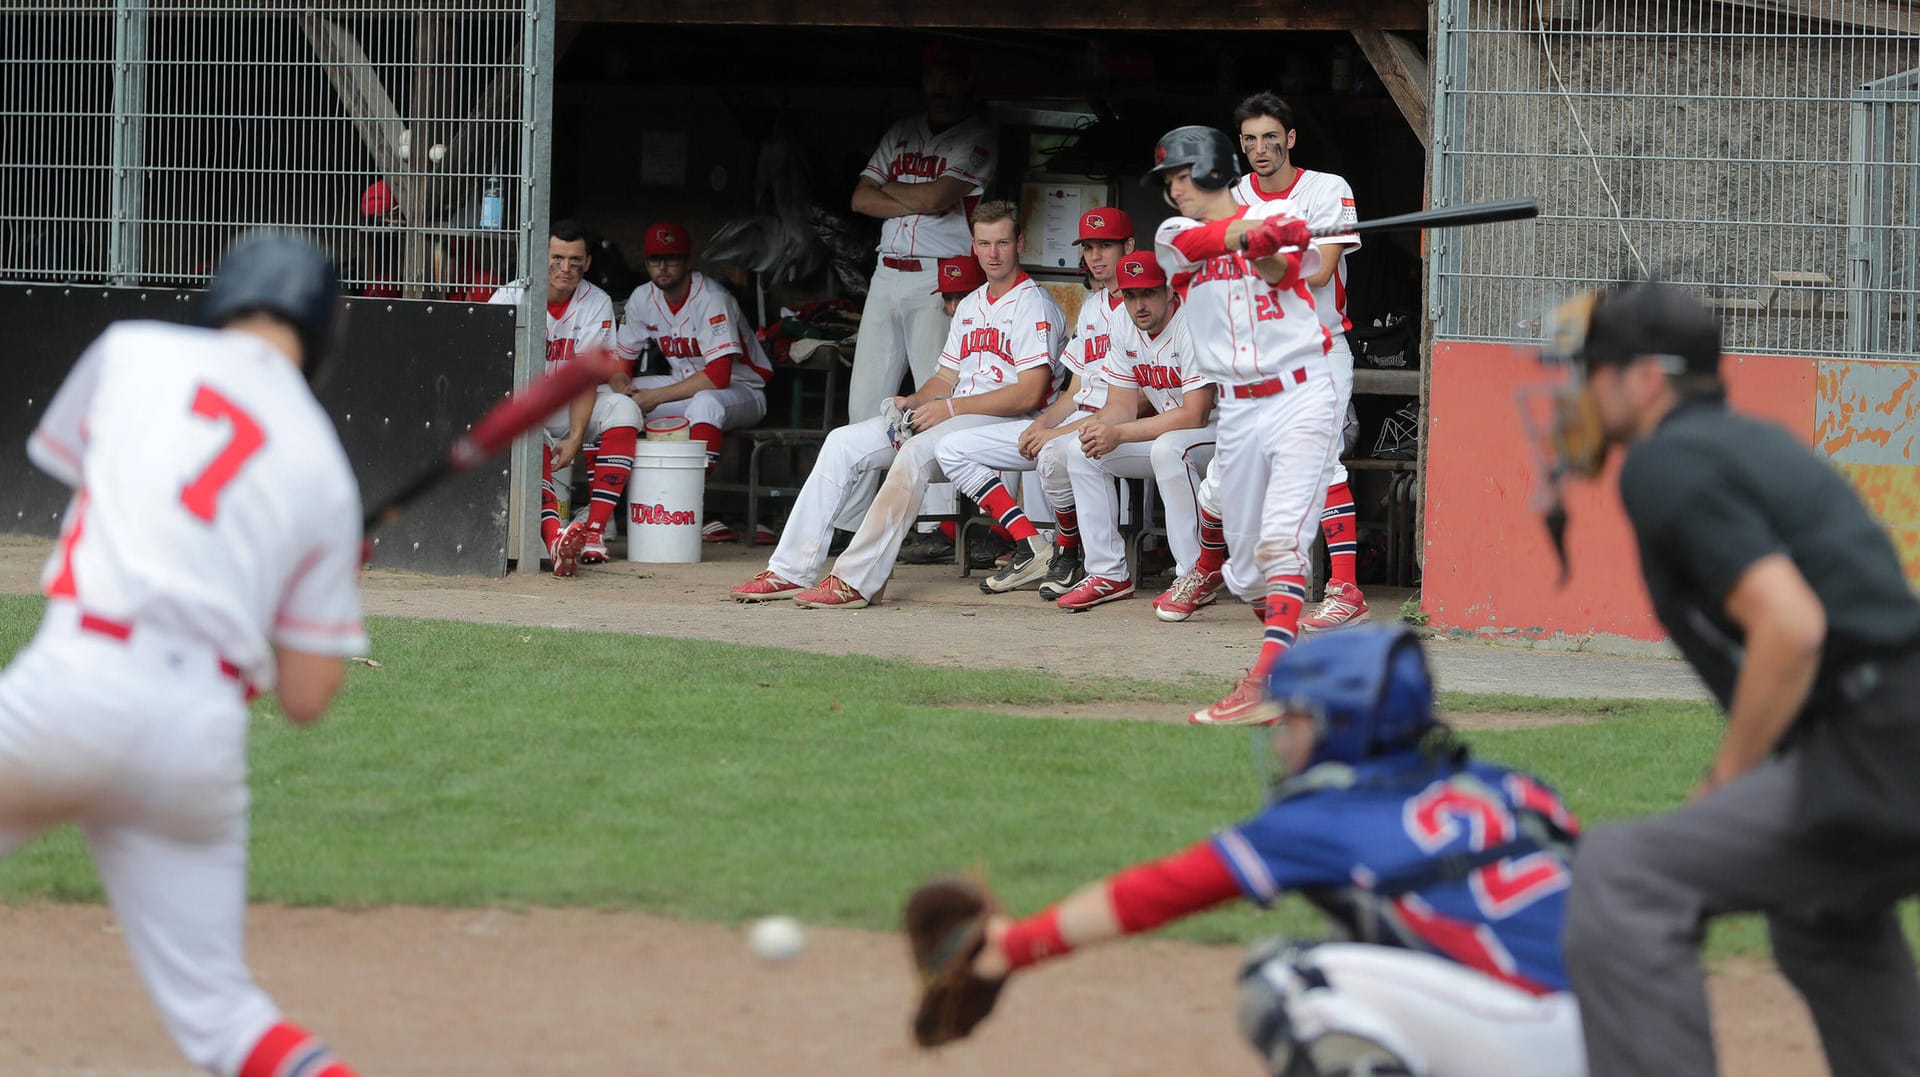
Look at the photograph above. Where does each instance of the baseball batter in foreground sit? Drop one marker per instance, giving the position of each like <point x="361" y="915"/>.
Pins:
<point x="1242" y="271"/>
<point x="1788" y="598"/>
<point x="211" y="550"/>
<point x="1450" y="874"/>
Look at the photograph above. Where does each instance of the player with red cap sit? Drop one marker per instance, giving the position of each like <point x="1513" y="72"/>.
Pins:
<point x="955" y="277"/>
<point x="975" y="460"/>
<point x="717" y="371"/>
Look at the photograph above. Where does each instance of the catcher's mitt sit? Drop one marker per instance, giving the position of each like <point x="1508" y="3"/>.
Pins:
<point x="946" y="922"/>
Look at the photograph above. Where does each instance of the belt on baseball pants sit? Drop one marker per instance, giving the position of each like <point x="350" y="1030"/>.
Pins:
<point x="1270" y="387"/>
<point x="122" y="631"/>
<point x="910" y="265"/>
<point x="1085" y="407"/>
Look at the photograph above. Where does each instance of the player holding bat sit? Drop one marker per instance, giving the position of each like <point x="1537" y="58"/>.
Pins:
<point x="211" y="550"/>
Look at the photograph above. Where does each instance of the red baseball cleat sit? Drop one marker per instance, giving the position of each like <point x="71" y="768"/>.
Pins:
<point x="833" y="593"/>
<point x="566" y="549"/>
<point x="1094" y="591"/>
<point x="765" y="587"/>
<point x="1247" y="704"/>
<point x="1343" y="604"/>
<point x="716" y="530"/>
<point x="1188" y="594"/>
<point x="594" y="551"/>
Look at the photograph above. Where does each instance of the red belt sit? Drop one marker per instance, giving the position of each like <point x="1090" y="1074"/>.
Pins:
<point x="1270" y="387"/>
<point x="910" y="265"/>
<point x="121" y="631"/>
<point x="1087" y="407"/>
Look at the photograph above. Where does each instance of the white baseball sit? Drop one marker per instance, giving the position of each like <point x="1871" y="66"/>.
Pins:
<point x="437" y="153"/>
<point x="776" y="938"/>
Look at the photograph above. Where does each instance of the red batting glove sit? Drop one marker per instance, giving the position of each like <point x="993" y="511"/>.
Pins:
<point x="1260" y="242"/>
<point x="1291" y="232"/>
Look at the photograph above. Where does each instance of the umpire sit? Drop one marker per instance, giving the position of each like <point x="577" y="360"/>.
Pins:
<point x="1789" y="601"/>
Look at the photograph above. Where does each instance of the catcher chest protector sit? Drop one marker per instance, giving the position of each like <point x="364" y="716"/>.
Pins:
<point x="1206" y="150"/>
<point x="282" y="275"/>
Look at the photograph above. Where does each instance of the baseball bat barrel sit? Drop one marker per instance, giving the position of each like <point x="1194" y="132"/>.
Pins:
<point x="1509" y="209"/>
<point x="496" y="430"/>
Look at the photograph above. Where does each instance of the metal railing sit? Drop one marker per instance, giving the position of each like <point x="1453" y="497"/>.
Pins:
<point x="1765" y="153"/>
<point x="138" y="137"/>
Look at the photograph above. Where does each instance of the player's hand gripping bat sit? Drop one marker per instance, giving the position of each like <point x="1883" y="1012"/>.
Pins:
<point x="497" y="428"/>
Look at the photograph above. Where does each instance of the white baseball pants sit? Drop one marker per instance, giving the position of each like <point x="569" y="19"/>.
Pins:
<point x="1268" y="480"/>
<point x="143" y="743"/>
<point x="725" y="409"/>
<point x="978" y="456"/>
<point x="1175" y="461"/>
<point x="850" y="453"/>
<point x="1340" y="362"/>
<point x="903" y="327"/>
<point x="610" y="410"/>
<point x="1443" y="1019"/>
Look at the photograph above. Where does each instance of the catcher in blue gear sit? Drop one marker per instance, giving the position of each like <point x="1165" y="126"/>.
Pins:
<point x="1446" y="875"/>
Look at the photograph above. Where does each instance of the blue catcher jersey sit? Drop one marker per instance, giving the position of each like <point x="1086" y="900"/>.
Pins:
<point x="1465" y="860"/>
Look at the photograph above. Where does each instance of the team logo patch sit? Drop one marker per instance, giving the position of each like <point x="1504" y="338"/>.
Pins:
<point x="1347" y="202"/>
<point x="1159" y="155"/>
<point x="1094" y="220"/>
<point x="664" y="235"/>
<point x="606" y="325"/>
<point x="966" y="321"/>
<point x="1042" y="326"/>
<point x="1132" y="268"/>
<point x="718" y="319"/>
<point x="951" y="272"/>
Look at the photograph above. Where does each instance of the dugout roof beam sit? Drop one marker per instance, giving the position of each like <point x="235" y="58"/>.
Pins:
<point x="1263" y="15"/>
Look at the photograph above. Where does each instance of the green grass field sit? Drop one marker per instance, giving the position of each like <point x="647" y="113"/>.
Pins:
<point x="484" y="765"/>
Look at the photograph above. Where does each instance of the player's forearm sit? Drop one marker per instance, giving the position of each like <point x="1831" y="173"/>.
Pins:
<point x="1016" y="399"/>
<point x="939" y="387"/>
<point x="1775" y="680"/>
<point x="1152" y="426"/>
<point x="870" y="201"/>
<point x="579" y="415"/>
<point x="682" y="389"/>
<point x="1329" y="261"/>
<point x="933" y="197"/>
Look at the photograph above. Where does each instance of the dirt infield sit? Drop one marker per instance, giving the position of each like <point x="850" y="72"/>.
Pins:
<point x="420" y="991"/>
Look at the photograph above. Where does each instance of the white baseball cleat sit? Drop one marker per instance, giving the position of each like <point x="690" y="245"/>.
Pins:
<point x="1029" y="563"/>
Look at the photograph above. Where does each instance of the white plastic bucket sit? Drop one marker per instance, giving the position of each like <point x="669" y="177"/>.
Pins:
<point x="669" y="428"/>
<point x="664" y="501"/>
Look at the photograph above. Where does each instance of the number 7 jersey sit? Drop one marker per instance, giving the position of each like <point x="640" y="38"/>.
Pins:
<point x="212" y="499"/>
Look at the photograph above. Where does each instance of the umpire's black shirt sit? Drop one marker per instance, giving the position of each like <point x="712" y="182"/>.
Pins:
<point x="1710" y="492"/>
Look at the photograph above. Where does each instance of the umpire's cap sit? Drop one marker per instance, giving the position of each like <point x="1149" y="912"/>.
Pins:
<point x="281" y="275"/>
<point x="1207" y="150"/>
<point x="1647" y="319"/>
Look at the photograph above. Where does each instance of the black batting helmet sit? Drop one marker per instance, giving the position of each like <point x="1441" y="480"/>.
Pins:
<point x="1207" y="150"/>
<point x="281" y="275"/>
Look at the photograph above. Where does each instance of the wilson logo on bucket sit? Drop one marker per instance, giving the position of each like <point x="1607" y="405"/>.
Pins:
<point x="660" y="514"/>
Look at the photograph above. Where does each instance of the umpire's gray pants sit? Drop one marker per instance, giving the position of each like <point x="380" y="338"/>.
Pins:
<point x="1644" y="891"/>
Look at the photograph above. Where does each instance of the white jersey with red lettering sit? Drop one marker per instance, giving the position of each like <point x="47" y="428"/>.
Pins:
<point x="1086" y="354"/>
<point x="1326" y="201"/>
<point x="583" y="323"/>
<point x="992" y="341"/>
<point x="213" y="502"/>
<point x="1160" y="367"/>
<point x="1245" y="330"/>
<point x="911" y="152"/>
<point x="706" y="334"/>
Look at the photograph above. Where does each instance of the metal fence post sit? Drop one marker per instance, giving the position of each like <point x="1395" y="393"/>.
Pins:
<point x="127" y="178"/>
<point x="536" y="157"/>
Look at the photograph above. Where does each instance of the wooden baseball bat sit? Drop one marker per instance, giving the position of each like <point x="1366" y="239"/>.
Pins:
<point x="496" y="430"/>
<point x="1508" y="209"/>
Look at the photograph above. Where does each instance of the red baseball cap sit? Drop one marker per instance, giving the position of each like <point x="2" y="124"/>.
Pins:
<point x="377" y="200"/>
<point x="668" y="239"/>
<point x="1105" y="222"/>
<point x="958" y="276"/>
<point x="1140" y="270"/>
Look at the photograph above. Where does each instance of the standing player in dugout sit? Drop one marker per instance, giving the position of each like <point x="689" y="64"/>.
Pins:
<point x="1242" y="270"/>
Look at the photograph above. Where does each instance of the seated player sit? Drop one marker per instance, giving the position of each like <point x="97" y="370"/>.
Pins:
<point x="580" y="319"/>
<point x="1151" y="357"/>
<point x="997" y="365"/>
<point x="976" y="459"/>
<point x="1449" y="875"/>
<point x="718" y="372"/>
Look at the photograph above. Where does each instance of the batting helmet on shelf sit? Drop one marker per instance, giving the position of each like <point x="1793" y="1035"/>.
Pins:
<point x="282" y="275"/>
<point x="1367" y="689"/>
<point x="1206" y="150"/>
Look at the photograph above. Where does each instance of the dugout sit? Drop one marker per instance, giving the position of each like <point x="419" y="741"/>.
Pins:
<point x="710" y="113"/>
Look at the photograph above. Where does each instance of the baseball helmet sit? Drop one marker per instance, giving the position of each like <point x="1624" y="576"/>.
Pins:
<point x="1206" y="150"/>
<point x="1367" y="689"/>
<point x="282" y="275"/>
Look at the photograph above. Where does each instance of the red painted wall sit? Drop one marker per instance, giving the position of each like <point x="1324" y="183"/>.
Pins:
<point x="1489" y="567"/>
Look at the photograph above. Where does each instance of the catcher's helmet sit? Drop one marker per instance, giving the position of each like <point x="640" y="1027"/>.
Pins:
<point x="1207" y="150"/>
<point x="282" y="275"/>
<point x="1367" y="689"/>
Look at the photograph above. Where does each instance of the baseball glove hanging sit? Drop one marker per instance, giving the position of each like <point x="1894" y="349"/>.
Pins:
<point x="945" y="922"/>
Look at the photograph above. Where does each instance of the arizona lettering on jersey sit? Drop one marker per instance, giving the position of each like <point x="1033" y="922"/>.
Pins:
<point x="1244" y="330"/>
<point x="707" y="334"/>
<point x="991" y="341"/>
<point x="193" y="447"/>
<point x="1324" y="200"/>
<point x="1086" y="354"/>
<point x="1390" y="819"/>
<point x="911" y="152"/>
<point x="1161" y="367"/>
<point x="585" y="324"/>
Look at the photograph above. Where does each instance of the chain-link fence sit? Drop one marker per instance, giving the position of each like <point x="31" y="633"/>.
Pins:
<point x="138" y="137"/>
<point x="1764" y="157"/>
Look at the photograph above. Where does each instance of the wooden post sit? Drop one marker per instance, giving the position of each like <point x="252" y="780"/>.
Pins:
<point x="1404" y="72"/>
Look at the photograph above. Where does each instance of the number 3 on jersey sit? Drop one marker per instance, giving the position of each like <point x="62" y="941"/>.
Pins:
<point x="1433" y="820"/>
<point x="202" y="495"/>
